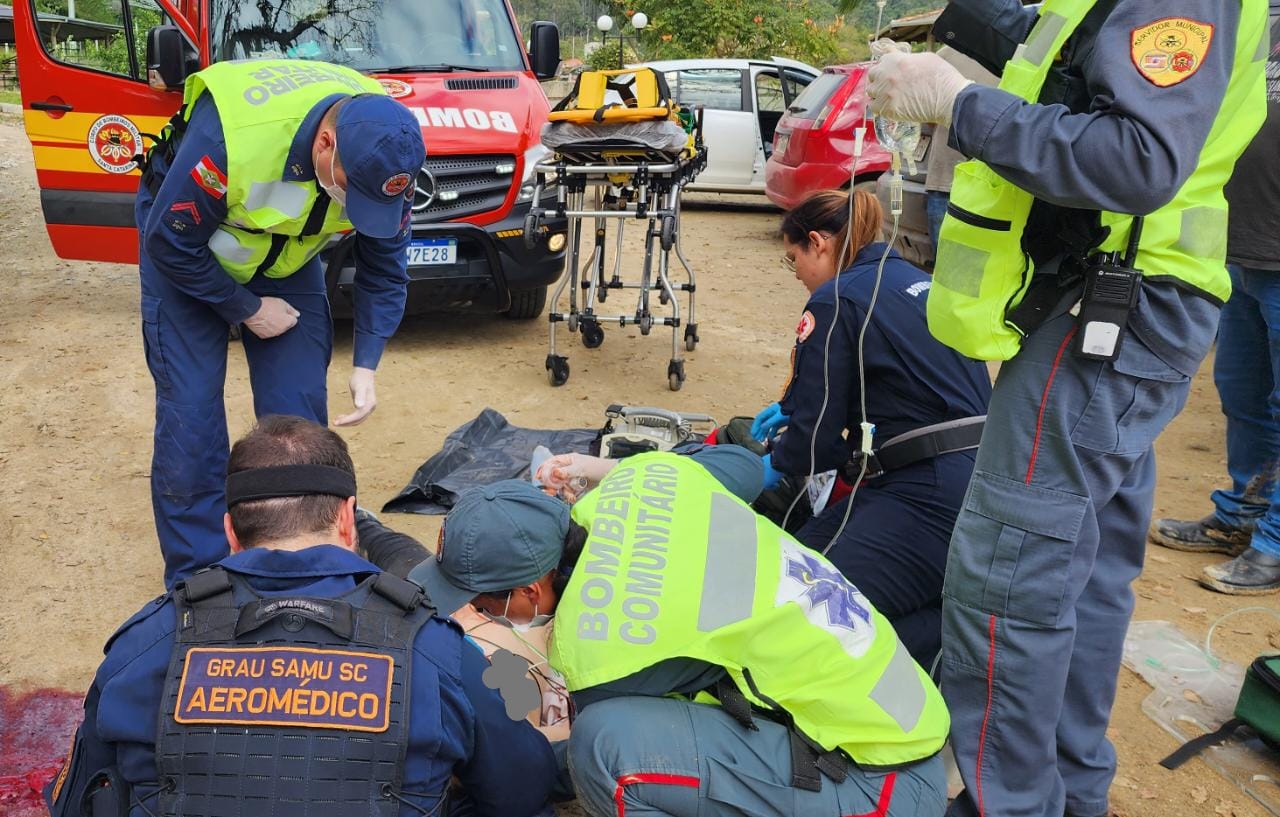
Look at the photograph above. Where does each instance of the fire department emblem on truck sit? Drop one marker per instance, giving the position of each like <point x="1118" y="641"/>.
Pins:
<point x="113" y="142"/>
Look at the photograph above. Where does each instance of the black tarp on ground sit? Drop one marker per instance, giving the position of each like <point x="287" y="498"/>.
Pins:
<point x="485" y="450"/>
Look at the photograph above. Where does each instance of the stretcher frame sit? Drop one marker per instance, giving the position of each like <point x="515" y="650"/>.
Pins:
<point x="622" y="181"/>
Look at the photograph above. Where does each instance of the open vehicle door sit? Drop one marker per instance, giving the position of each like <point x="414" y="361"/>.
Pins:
<point x="86" y="105"/>
<point x="727" y="116"/>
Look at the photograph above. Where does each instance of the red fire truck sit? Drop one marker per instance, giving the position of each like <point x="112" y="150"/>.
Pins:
<point x="101" y="75"/>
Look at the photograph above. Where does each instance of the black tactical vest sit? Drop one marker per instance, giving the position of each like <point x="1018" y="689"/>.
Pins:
<point x="287" y="706"/>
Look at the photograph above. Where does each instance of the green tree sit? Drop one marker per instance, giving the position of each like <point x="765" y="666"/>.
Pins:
<point x="801" y="29"/>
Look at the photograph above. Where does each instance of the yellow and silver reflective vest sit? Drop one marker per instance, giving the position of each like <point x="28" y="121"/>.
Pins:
<point x="982" y="269"/>
<point x="677" y="566"/>
<point x="270" y="225"/>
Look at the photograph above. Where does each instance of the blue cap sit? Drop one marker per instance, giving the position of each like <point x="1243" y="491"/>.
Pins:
<point x="496" y="538"/>
<point x="381" y="150"/>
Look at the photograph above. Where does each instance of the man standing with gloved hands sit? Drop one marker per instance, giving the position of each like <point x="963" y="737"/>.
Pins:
<point x="1084" y="244"/>
<point x="264" y="163"/>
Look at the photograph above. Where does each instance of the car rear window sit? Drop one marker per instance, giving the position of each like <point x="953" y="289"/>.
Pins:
<point x="811" y="99"/>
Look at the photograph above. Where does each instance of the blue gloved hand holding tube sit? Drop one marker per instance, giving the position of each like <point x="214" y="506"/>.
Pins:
<point x="767" y="423"/>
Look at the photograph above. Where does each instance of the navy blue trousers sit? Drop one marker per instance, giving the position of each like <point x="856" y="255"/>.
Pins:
<point x="186" y="348"/>
<point x="894" y="548"/>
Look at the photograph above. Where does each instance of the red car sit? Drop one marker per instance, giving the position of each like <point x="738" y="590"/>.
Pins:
<point x="814" y="140"/>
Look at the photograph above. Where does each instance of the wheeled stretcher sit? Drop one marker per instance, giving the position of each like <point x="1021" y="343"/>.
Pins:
<point x="612" y="172"/>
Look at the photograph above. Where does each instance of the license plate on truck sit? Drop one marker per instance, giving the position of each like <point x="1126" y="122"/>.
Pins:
<point x="425" y="252"/>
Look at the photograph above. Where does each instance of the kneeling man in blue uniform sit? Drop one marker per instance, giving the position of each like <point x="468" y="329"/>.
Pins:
<point x="266" y="161"/>
<point x="294" y="678"/>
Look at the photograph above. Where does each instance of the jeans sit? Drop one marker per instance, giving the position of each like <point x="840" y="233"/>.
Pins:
<point x="1246" y="370"/>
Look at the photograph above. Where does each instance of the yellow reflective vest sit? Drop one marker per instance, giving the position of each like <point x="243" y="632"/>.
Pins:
<point x="982" y="270"/>
<point x="273" y="226"/>
<point x="677" y="566"/>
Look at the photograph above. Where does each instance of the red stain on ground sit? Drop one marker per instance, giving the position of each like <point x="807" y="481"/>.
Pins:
<point x="35" y="734"/>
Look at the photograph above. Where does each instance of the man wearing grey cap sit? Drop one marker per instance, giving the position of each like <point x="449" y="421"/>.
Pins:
<point x="717" y="665"/>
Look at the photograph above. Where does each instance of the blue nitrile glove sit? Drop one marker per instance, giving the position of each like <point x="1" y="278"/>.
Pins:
<point x="771" y="477"/>
<point x="767" y="422"/>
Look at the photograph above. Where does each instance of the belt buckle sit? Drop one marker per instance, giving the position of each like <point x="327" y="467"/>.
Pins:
<point x="854" y="465"/>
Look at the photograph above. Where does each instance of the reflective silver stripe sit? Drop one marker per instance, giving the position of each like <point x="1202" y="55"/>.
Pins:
<point x="1264" y="47"/>
<point x="959" y="267"/>
<point x="1203" y="233"/>
<point x="729" y="580"/>
<point x="286" y="197"/>
<point x="1043" y="36"/>
<point x="225" y="245"/>
<point x="900" y="692"/>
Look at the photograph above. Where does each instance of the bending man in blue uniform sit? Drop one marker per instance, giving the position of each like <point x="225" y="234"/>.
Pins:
<point x="296" y="674"/>
<point x="926" y="401"/>
<point x="1098" y="166"/>
<point x="265" y="162"/>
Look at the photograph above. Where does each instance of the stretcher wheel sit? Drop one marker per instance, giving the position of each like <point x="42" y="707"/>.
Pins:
<point x="662" y="297"/>
<point x="646" y="323"/>
<point x="602" y="292"/>
<point x="668" y="235"/>
<point x="691" y="337"/>
<point x="530" y="230"/>
<point x="675" y="374"/>
<point x="572" y="321"/>
<point x="557" y="370"/>
<point x="592" y="334"/>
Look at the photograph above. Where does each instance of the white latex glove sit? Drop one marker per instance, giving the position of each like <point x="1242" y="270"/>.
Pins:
<point x="914" y="87"/>
<point x="363" y="397"/>
<point x="274" y="317"/>
<point x="569" y="476"/>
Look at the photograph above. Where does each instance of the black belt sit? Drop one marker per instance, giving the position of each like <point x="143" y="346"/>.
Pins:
<point x="918" y="445"/>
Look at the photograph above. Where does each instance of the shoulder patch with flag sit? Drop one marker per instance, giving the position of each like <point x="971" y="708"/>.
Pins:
<point x="210" y="178"/>
<point x="805" y="327"/>
<point x="1169" y="50"/>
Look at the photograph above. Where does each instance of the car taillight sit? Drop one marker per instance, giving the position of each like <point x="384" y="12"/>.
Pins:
<point x="780" y="143"/>
<point x="821" y="118"/>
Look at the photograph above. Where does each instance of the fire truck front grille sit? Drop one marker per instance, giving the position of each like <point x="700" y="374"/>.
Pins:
<point x="451" y="187"/>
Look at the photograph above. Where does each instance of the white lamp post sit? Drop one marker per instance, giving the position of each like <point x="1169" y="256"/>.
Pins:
<point x="605" y="23"/>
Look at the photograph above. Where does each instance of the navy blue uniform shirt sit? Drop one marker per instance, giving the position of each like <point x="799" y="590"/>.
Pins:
<point x="176" y="224"/>
<point x="457" y="725"/>
<point x="912" y="380"/>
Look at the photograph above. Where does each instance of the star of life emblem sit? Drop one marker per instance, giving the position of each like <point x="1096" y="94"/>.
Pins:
<point x="829" y="600"/>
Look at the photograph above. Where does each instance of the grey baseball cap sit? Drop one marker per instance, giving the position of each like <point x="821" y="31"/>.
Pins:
<point x="496" y="538"/>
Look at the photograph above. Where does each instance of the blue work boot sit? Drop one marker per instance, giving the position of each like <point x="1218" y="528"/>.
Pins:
<point x="1208" y="535"/>
<point x="1252" y="573"/>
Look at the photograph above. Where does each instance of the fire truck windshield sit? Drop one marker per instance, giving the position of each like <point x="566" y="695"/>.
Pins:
<point x="369" y="35"/>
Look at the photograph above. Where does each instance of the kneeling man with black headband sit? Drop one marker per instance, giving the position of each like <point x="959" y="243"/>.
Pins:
<point x="294" y="677"/>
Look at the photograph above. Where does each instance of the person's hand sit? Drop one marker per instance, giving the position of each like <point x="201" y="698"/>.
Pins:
<point x="274" y="317"/>
<point x="363" y="397"/>
<point x="569" y="476"/>
<point x="914" y="87"/>
<point x="767" y="422"/>
<point x="771" y="477"/>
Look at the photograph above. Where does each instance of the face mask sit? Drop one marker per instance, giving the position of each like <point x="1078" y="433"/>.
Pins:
<point x="537" y="620"/>
<point x="335" y="192"/>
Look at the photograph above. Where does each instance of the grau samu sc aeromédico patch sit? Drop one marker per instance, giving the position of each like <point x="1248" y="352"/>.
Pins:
<point x="286" y="686"/>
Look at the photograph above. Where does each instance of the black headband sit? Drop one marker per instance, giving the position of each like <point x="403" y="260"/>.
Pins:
<point x="288" y="480"/>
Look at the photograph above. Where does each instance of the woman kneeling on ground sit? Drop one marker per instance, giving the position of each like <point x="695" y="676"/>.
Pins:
<point x="921" y="397"/>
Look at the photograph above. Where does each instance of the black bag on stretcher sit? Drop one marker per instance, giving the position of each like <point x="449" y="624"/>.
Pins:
<point x="1258" y="707"/>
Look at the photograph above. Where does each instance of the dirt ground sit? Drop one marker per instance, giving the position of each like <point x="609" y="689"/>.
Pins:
<point x="79" y="553"/>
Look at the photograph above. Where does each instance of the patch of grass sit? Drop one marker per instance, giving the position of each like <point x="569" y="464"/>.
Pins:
<point x="11" y="96"/>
